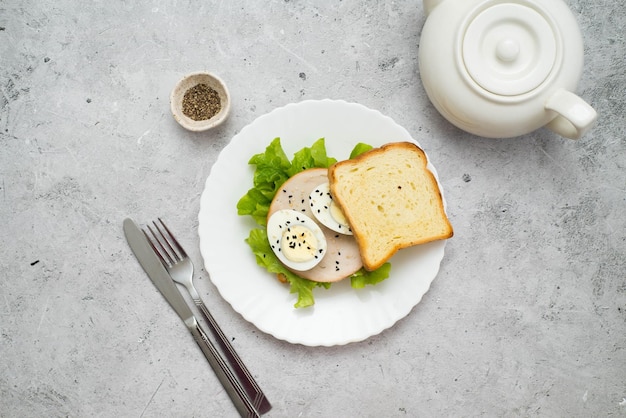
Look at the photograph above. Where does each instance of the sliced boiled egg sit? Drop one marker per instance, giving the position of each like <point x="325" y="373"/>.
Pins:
<point x="296" y="239"/>
<point x="327" y="211"/>
<point x="342" y="257"/>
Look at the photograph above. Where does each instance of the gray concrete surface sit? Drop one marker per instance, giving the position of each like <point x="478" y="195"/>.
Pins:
<point x="527" y="317"/>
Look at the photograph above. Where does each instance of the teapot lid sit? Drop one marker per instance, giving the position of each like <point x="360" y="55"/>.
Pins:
<point x="509" y="48"/>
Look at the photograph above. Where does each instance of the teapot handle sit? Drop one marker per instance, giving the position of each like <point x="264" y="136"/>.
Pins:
<point x="574" y="115"/>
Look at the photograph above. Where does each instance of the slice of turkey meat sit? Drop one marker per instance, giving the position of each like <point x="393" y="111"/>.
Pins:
<point x="342" y="257"/>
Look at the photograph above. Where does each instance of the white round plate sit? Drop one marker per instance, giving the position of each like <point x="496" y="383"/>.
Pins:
<point x="341" y="314"/>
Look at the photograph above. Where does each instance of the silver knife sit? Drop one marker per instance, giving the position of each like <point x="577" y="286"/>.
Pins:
<point x="160" y="277"/>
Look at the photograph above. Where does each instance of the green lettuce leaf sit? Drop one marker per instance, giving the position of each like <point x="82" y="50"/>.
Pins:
<point x="359" y="149"/>
<point x="362" y="278"/>
<point x="265" y="257"/>
<point x="273" y="168"/>
<point x="312" y="157"/>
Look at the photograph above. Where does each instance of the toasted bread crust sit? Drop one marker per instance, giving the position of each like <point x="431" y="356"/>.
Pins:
<point x="391" y="200"/>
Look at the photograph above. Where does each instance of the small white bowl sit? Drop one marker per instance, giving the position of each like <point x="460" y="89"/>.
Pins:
<point x="190" y="81"/>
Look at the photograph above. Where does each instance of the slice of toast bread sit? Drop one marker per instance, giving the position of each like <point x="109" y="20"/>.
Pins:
<point x="391" y="200"/>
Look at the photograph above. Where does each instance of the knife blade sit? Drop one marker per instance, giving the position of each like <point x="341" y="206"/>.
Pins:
<point x="161" y="279"/>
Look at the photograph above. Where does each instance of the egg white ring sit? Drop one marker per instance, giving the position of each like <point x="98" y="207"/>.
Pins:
<point x="321" y="201"/>
<point x="276" y="227"/>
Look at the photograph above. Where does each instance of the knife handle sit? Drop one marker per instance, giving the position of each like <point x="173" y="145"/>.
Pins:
<point x="224" y="374"/>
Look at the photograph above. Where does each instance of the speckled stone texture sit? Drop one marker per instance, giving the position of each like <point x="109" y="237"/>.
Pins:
<point x="527" y="317"/>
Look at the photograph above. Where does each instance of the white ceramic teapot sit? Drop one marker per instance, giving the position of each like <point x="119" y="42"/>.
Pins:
<point x="503" y="68"/>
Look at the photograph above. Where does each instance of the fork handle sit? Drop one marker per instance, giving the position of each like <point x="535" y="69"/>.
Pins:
<point x="224" y="374"/>
<point x="249" y="384"/>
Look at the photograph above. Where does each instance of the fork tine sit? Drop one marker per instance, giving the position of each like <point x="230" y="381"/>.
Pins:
<point x="156" y="248"/>
<point x="160" y="249"/>
<point x="173" y="239"/>
<point x="166" y="243"/>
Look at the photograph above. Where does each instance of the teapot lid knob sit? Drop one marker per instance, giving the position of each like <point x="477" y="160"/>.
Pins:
<point x="509" y="49"/>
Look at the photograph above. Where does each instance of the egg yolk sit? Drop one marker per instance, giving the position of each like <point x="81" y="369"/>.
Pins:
<point x="299" y="244"/>
<point x="337" y="214"/>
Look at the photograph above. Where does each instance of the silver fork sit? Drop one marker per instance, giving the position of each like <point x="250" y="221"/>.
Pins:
<point x="180" y="267"/>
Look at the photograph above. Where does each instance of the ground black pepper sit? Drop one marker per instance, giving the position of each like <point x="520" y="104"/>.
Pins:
<point x="201" y="102"/>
